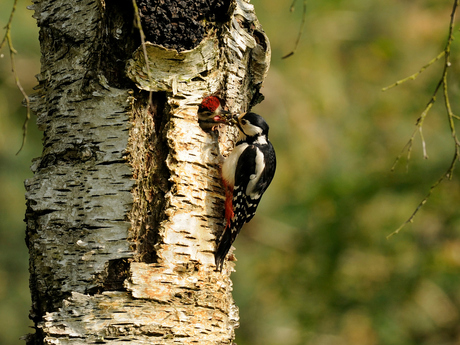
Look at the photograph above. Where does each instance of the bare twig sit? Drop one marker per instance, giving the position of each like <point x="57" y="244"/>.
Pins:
<point x="138" y="24"/>
<point x="447" y="174"/>
<point x="425" y="199"/>
<point x="415" y="75"/>
<point x="419" y="123"/>
<point x="7" y="40"/>
<point x="302" y="24"/>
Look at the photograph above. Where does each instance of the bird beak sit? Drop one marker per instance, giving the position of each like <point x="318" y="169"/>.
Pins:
<point x="221" y="116"/>
<point x="232" y="119"/>
<point x="235" y="119"/>
<point x="228" y="118"/>
<point x="224" y="116"/>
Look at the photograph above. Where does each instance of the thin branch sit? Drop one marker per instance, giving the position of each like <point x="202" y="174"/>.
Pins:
<point x="302" y="24"/>
<point x="7" y="40"/>
<point x="447" y="174"/>
<point x="415" y="75"/>
<point x="425" y="199"/>
<point x="425" y="155"/>
<point x="138" y="24"/>
<point x="418" y="124"/>
<point x="447" y="64"/>
<point x="450" y="115"/>
<point x="407" y="147"/>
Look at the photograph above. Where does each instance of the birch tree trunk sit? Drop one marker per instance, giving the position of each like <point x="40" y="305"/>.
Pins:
<point x="126" y="201"/>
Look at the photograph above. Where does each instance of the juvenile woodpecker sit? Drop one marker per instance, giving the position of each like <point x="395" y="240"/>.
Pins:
<point x="211" y="112"/>
<point x="246" y="174"/>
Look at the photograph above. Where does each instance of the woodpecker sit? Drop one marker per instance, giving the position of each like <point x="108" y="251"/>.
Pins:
<point x="246" y="174"/>
<point x="211" y="112"/>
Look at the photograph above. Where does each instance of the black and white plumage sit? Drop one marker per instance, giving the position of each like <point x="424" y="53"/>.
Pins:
<point x="246" y="174"/>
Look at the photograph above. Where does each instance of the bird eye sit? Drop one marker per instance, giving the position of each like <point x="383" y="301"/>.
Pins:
<point x="243" y="122"/>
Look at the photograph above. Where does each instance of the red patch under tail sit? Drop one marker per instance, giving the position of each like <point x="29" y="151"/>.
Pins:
<point x="228" y="204"/>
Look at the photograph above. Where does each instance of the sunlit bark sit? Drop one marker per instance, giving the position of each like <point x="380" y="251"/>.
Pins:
<point x="126" y="201"/>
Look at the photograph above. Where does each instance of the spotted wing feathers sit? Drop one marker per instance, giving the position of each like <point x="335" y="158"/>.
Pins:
<point x="253" y="175"/>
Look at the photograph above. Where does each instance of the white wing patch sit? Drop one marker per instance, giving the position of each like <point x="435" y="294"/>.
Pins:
<point x="229" y="166"/>
<point x="261" y="140"/>
<point x="254" y="179"/>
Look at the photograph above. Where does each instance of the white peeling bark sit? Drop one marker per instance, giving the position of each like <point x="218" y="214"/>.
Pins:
<point x="126" y="201"/>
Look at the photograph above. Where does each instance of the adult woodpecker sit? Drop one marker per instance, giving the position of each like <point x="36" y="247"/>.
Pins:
<point x="246" y="173"/>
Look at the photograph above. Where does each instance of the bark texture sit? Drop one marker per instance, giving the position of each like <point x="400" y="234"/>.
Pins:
<point x="126" y="201"/>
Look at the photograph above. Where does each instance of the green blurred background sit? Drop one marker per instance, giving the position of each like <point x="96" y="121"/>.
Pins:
<point x="314" y="266"/>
